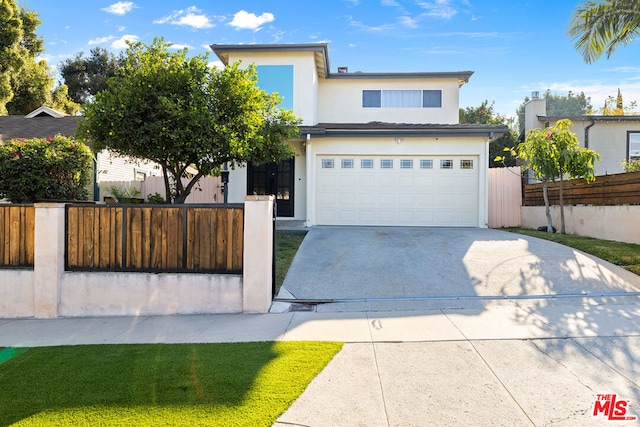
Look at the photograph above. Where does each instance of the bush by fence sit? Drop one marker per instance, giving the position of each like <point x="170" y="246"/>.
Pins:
<point x="617" y="189"/>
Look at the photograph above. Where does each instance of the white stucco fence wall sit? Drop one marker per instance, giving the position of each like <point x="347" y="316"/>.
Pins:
<point x="603" y="222"/>
<point x="48" y="291"/>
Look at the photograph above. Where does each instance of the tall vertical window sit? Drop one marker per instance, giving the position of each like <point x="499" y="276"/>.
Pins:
<point x="633" y="148"/>
<point x="277" y="78"/>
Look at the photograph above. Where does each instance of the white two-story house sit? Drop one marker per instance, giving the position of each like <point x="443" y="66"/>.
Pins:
<point x="380" y="149"/>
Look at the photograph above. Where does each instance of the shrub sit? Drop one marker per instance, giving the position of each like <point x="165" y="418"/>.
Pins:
<point x="57" y="168"/>
<point x="631" y="166"/>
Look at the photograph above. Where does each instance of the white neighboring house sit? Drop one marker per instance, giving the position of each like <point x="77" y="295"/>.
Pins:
<point x="615" y="138"/>
<point x="374" y="148"/>
<point x="45" y="122"/>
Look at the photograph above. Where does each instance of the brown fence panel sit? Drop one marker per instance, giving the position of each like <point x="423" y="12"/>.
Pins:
<point x="17" y="236"/>
<point x="181" y="238"/>
<point x="618" y="189"/>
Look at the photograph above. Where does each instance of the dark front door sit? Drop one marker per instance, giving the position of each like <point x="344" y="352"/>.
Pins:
<point x="276" y="179"/>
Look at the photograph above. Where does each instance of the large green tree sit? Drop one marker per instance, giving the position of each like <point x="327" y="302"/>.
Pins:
<point x="85" y="76"/>
<point x="56" y="168"/>
<point x="553" y="154"/>
<point x="485" y="114"/>
<point x="178" y="112"/>
<point x="600" y="26"/>
<point x="25" y="83"/>
<point x="560" y="105"/>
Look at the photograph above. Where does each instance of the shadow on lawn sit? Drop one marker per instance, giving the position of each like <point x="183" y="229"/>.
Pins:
<point x="53" y="378"/>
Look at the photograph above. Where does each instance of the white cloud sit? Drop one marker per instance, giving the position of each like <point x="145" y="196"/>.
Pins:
<point x="121" y="43"/>
<point x="191" y="17"/>
<point x="439" y="8"/>
<point x="216" y="64"/>
<point x="101" y="40"/>
<point x="409" y="22"/>
<point x="120" y="8"/>
<point x="244" y="20"/>
<point x="121" y="28"/>
<point x="374" y="29"/>
<point x="179" y="46"/>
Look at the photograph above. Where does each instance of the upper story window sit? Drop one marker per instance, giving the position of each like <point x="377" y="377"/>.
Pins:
<point x="401" y="98"/>
<point x="634" y="146"/>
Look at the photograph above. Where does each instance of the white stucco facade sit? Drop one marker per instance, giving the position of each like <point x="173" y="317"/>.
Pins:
<point x="396" y="135"/>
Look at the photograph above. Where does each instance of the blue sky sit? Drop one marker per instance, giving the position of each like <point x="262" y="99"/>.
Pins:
<point x="514" y="47"/>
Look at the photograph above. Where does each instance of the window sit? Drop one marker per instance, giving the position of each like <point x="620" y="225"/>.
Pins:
<point x="140" y="175"/>
<point x="371" y="98"/>
<point x="431" y="98"/>
<point x="347" y="163"/>
<point x="366" y="164"/>
<point x="407" y="98"/>
<point x="277" y="78"/>
<point x="466" y="164"/>
<point x="386" y="164"/>
<point x="634" y="146"/>
<point x="426" y="164"/>
<point x="401" y="98"/>
<point x="327" y="163"/>
<point x="446" y="164"/>
<point x="406" y="164"/>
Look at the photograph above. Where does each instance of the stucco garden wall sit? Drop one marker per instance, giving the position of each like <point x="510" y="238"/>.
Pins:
<point x="49" y="291"/>
<point x="618" y="223"/>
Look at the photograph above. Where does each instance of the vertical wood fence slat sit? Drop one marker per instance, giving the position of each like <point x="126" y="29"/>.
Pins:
<point x="17" y="225"/>
<point x="152" y="239"/>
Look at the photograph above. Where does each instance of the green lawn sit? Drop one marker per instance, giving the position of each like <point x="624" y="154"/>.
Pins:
<point x="626" y="255"/>
<point x="286" y="247"/>
<point x="235" y="384"/>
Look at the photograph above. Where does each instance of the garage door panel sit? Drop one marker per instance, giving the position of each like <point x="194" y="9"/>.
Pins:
<point x="411" y="196"/>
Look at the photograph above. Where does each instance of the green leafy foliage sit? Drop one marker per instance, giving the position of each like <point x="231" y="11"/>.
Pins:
<point x="601" y="26"/>
<point x="86" y="76"/>
<point x="25" y="84"/>
<point x="552" y="154"/>
<point x="632" y="165"/>
<point x="55" y="168"/>
<point x="485" y="114"/>
<point x="178" y="112"/>
<point x="560" y="105"/>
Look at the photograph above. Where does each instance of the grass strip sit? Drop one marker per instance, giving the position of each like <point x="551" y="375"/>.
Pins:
<point x="625" y="255"/>
<point x="230" y="384"/>
<point x="287" y="245"/>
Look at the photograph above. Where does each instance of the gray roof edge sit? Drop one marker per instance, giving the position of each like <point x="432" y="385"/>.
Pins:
<point x="490" y="131"/>
<point x="464" y="75"/>
<point x="284" y="47"/>
<point x="592" y="117"/>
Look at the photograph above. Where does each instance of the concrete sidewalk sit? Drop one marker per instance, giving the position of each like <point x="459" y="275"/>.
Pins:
<point x="533" y="364"/>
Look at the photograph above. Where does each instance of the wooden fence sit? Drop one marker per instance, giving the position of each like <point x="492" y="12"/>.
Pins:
<point x="195" y="238"/>
<point x="17" y="228"/>
<point x="618" y="189"/>
<point x="505" y="197"/>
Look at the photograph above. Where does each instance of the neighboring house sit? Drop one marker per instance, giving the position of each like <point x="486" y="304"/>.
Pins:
<point x="45" y="122"/>
<point x="374" y="149"/>
<point x="616" y="138"/>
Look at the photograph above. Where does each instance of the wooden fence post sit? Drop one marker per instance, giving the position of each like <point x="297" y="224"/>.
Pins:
<point x="48" y="258"/>
<point x="258" y="254"/>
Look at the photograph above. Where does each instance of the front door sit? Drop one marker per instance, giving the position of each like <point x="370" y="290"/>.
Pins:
<point x="276" y="179"/>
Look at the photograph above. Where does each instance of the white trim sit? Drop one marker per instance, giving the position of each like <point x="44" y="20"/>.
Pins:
<point x="46" y="110"/>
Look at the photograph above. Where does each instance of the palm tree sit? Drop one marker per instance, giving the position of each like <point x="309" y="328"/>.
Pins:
<point x="599" y="26"/>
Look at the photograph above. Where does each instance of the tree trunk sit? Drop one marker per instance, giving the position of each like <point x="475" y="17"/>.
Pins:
<point x="182" y="195"/>
<point x="167" y="185"/>
<point x="561" y="207"/>
<point x="546" y="207"/>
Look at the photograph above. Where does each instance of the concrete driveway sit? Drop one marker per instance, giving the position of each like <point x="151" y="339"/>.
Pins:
<point x="406" y="268"/>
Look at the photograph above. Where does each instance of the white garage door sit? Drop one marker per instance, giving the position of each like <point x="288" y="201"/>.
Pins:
<point x="397" y="190"/>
